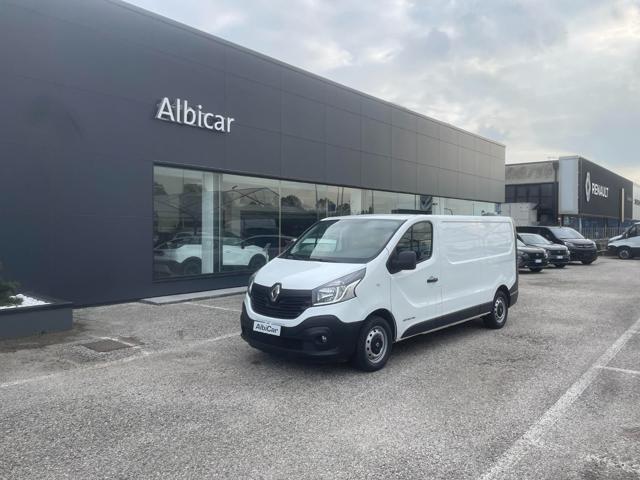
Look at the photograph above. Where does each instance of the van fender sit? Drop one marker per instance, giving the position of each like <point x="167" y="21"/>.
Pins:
<point x="388" y="316"/>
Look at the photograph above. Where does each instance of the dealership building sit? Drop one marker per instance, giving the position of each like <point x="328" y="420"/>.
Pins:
<point x="143" y="158"/>
<point x="575" y="192"/>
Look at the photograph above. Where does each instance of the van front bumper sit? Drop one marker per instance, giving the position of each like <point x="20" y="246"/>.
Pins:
<point x="305" y="340"/>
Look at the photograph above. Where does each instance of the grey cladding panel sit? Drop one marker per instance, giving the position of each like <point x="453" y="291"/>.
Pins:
<point x="376" y="110"/>
<point x="428" y="180"/>
<point x="429" y="127"/>
<point x="253" y="104"/>
<point x="342" y="98"/>
<point x="253" y="150"/>
<point x="404" y="119"/>
<point x="449" y="156"/>
<point x="404" y="144"/>
<point x="253" y="67"/>
<point x="303" y="84"/>
<point x="303" y="159"/>
<point x="376" y="137"/>
<point x="428" y="151"/>
<point x="376" y="171"/>
<point x="343" y="166"/>
<point x="447" y="181"/>
<point x="343" y="128"/>
<point x="404" y="176"/>
<point x="302" y="117"/>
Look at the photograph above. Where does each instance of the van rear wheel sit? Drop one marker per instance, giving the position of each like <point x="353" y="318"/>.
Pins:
<point x="373" y="345"/>
<point x="499" y="312"/>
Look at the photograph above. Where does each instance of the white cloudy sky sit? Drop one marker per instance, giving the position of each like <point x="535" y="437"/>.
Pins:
<point x="546" y="78"/>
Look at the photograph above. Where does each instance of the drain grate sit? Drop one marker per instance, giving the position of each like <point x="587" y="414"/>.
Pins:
<point x="105" y="345"/>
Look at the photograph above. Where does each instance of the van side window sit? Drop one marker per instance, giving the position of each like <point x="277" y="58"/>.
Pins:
<point x="418" y="238"/>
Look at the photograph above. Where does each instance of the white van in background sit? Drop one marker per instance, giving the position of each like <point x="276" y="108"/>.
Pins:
<point x="627" y="245"/>
<point x="350" y="287"/>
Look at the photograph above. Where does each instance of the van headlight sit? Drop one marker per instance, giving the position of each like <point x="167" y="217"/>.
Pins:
<point x="338" y="290"/>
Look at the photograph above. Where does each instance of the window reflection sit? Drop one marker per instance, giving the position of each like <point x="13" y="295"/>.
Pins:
<point x="213" y="223"/>
<point x="249" y="219"/>
<point x="184" y="222"/>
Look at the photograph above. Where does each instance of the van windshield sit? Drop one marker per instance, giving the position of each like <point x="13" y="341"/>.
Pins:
<point x="350" y="240"/>
<point x="565" y="232"/>
<point x="534" y="239"/>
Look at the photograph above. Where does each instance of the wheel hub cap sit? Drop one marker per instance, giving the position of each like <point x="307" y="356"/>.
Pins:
<point x="376" y="344"/>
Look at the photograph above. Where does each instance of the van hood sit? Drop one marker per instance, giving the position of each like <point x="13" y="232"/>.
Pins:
<point x="303" y="275"/>
<point x="613" y="239"/>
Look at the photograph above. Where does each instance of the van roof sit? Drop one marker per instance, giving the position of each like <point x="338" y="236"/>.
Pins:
<point x="397" y="216"/>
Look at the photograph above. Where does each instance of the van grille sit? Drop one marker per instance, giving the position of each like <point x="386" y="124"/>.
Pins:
<point x="290" y="303"/>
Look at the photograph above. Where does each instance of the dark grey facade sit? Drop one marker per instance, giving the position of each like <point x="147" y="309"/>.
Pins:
<point x="80" y="84"/>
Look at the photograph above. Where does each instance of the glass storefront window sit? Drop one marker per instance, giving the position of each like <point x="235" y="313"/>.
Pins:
<point x="301" y="205"/>
<point x="184" y="222"/>
<point x="344" y="201"/>
<point x="250" y="219"/>
<point x="212" y="223"/>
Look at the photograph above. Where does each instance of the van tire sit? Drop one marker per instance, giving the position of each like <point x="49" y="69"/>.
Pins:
<point x="560" y="265"/>
<point x="587" y="262"/>
<point x="499" y="312"/>
<point x="373" y="346"/>
<point x="625" y="253"/>
<point x="535" y="270"/>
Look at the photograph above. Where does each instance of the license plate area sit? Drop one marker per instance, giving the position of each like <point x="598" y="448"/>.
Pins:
<point x="538" y="260"/>
<point x="267" y="328"/>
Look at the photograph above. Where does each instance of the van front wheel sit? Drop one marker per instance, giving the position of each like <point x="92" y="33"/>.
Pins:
<point x="499" y="312"/>
<point x="374" y="345"/>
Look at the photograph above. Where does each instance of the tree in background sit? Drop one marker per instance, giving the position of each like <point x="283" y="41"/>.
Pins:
<point x="7" y="292"/>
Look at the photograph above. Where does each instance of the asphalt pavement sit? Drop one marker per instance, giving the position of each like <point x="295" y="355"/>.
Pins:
<point x="176" y="393"/>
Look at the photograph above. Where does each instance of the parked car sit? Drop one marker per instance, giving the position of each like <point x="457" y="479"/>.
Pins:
<point x="272" y="244"/>
<point x="533" y="258"/>
<point x="558" y="255"/>
<point x="581" y="249"/>
<point x="627" y="245"/>
<point x="183" y="255"/>
<point x="351" y="286"/>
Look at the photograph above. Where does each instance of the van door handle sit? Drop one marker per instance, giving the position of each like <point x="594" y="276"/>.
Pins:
<point x="432" y="279"/>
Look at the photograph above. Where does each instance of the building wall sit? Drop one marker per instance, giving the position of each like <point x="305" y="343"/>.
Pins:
<point x="80" y="83"/>
<point x="636" y="202"/>
<point x="528" y="173"/>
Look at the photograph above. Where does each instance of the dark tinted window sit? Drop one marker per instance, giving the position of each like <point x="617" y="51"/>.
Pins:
<point x="418" y="238"/>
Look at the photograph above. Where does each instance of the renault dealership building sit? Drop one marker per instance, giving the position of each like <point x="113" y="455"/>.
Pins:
<point x="144" y="158"/>
<point x="575" y="192"/>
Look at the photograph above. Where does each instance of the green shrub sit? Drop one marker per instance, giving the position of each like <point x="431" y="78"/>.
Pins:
<point x="7" y="292"/>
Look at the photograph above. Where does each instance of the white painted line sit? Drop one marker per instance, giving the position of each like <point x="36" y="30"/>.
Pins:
<point x="528" y="441"/>
<point x="143" y="354"/>
<point x="621" y="370"/>
<point x="213" y="306"/>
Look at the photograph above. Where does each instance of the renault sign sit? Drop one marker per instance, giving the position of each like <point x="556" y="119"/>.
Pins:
<point x="603" y="193"/>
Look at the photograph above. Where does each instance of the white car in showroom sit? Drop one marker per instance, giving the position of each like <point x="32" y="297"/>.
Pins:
<point x="183" y="255"/>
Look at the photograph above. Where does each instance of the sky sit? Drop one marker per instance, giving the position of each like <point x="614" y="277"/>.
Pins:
<point x="545" y="77"/>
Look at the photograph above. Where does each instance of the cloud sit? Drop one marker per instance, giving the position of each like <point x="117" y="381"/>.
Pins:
<point x="544" y="77"/>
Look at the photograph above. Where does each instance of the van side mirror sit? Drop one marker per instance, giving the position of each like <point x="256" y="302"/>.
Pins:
<point x="406" y="260"/>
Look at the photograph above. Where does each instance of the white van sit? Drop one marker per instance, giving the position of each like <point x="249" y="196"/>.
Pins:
<point x="350" y="287"/>
<point x="627" y="245"/>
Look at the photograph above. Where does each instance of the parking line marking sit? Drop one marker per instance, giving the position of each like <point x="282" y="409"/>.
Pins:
<point x="213" y="306"/>
<point x="622" y="370"/>
<point x="532" y="437"/>
<point x="143" y="354"/>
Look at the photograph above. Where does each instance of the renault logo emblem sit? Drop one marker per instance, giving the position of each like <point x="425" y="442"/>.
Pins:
<point x="274" y="293"/>
<point x="587" y="187"/>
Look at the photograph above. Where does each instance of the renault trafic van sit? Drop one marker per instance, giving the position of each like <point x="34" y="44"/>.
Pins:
<point x="627" y="245"/>
<point x="349" y="287"/>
